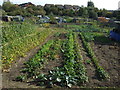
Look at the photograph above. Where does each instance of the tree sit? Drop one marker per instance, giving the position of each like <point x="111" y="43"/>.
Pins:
<point x="118" y="15"/>
<point x="109" y="14"/>
<point x="93" y="14"/>
<point x="100" y="13"/>
<point x="60" y="12"/>
<point x="0" y="7"/>
<point x="51" y="9"/>
<point x="104" y="12"/>
<point x="11" y="9"/>
<point x="2" y="12"/>
<point x="68" y="12"/>
<point x="96" y="9"/>
<point x="92" y="11"/>
<point x="90" y="4"/>
<point x="85" y="13"/>
<point x="30" y="10"/>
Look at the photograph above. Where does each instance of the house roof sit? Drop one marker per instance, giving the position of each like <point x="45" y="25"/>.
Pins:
<point x="68" y="6"/>
<point x="49" y="5"/>
<point x="26" y="4"/>
<point x="59" y="6"/>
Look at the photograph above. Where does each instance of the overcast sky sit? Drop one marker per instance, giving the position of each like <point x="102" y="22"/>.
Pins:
<point x="107" y="4"/>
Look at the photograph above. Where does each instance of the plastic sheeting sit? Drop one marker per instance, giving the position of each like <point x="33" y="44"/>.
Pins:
<point x="115" y="35"/>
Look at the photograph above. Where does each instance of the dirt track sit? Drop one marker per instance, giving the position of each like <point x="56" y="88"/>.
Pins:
<point x="107" y="54"/>
<point x="9" y="77"/>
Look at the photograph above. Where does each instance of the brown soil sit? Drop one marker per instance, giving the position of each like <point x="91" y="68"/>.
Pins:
<point x="8" y="78"/>
<point x="54" y="63"/>
<point x="107" y="54"/>
<point x="58" y="59"/>
<point x="50" y="65"/>
<point x="62" y="36"/>
<point x="90" y="69"/>
<point x="109" y="58"/>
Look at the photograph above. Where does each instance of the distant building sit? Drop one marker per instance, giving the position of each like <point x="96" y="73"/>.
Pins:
<point x="12" y="18"/>
<point x="43" y="19"/>
<point x="49" y="5"/>
<point x="7" y="18"/>
<point x="24" y="5"/>
<point x="59" y="6"/>
<point x="103" y="19"/>
<point x="76" y="7"/>
<point x="60" y="19"/>
<point x="68" y="7"/>
<point x="40" y="6"/>
<point x="39" y="16"/>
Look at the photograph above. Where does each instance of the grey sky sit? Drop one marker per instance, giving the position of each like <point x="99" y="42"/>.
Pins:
<point x="107" y="4"/>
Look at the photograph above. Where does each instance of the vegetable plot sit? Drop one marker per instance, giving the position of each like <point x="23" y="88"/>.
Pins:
<point x="100" y="71"/>
<point x="72" y="72"/>
<point x="18" y="39"/>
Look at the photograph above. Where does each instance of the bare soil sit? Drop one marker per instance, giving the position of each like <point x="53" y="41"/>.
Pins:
<point x="90" y="69"/>
<point x="109" y="58"/>
<point x="8" y="78"/>
<point x="107" y="54"/>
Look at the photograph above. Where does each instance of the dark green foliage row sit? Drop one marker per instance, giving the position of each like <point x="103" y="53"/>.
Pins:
<point x="100" y="71"/>
<point x="19" y="38"/>
<point x="14" y="31"/>
<point x="72" y="72"/>
<point x="79" y="61"/>
<point x="34" y="64"/>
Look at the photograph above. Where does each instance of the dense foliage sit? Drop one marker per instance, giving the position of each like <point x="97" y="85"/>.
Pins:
<point x="20" y="38"/>
<point x="12" y="9"/>
<point x="33" y="10"/>
<point x="72" y="72"/>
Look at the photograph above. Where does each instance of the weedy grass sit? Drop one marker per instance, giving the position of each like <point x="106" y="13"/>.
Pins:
<point x="20" y="38"/>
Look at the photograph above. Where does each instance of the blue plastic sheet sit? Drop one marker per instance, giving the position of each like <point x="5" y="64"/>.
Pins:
<point x="115" y="35"/>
